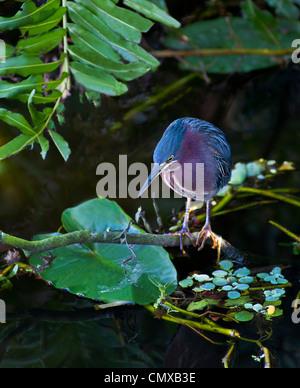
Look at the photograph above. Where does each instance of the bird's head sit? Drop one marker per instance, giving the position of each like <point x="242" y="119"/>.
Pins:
<point x="167" y="150"/>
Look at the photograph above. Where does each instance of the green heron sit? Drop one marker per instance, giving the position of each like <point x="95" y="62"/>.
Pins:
<point x="193" y="142"/>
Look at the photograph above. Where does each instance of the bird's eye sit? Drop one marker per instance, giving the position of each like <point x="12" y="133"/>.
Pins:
<point x="170" y="159"/>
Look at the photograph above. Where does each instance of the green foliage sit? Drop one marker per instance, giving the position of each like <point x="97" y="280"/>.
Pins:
<point x="108" y="272"/>
<point x="237" y="292"/>
<point x="9" y="272"/>
<point x="238" y="44"/>
<point x="97" y="42"/>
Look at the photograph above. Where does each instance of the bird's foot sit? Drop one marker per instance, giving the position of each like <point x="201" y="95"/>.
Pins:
<point x="184" y="232"/>
<point x="205" y="233"/>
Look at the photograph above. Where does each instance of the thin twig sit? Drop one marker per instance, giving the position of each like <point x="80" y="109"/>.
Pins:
<point x="220" y="51"/>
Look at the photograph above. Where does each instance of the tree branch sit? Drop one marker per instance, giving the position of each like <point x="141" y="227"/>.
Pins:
<point x="109" y="237"/>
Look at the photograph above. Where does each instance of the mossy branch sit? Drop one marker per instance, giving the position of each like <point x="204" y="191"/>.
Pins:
<point x="108" y="237"/>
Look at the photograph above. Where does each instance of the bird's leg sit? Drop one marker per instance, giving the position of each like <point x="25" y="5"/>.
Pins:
<point x="185" y="228"/>
<point x="206" y="231"/>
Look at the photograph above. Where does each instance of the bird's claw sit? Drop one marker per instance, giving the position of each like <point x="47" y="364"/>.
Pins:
<point x="182" y="233"/>
<point x="205" y="233"/>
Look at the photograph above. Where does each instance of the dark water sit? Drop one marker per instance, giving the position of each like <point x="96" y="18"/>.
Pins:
<point x="259" y="112"/>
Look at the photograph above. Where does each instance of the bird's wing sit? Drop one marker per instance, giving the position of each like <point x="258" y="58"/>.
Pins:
<point x="220" y="149"/>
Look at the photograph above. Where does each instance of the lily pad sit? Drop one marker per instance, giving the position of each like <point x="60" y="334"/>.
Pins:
<point x="98" y="271"/>
<point x="233" y="294"/>
<point x="243" y="316"/>
<point x="226" y="264"/>
<point x="188" y="282"/>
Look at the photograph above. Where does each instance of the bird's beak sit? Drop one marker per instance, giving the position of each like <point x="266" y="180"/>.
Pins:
<point x="156" y="170"/>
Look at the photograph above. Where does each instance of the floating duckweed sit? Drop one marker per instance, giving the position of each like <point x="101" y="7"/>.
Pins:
<point x="243" y="316"/>
<point x="241" y="272"/>
<point x="257" y="307"/>
<point x="220" y="281"/>
<point x="234" y="289"/>
<point x="274" y="277"/>
<point x="246" y="279"/>
<point x="275" y="294"/>
<point x="255" y="168"/>
<point x="233" y="294"/>
<point x="205" y="287"/>
<point x="260" y="169"/>
<point x="188" y="282"/>
<point x="242" y="287"/>
<point x="226" y="264"/>
<point x="227" y="288"/>
<point x="220" y="273"/>
<point x="223" y="191"/>
<point x="201" y="277"/>
<point x="239" y="174"/>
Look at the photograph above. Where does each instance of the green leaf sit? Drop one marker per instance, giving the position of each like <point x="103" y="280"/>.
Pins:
<point x="123" y="21"/>
<point x="257" y="307"/>
<point x="205" y="287"/>
<point x="46" y="24"/>
<point x="9" y="90"/>
<point x="276" y="271"/>
<point x="44" y="143"/>
<point x="262" y="275"/>
<point x="284" y="8"/>
<point x="16" y="120"/>
<point x="97" y="270"/>
<point x="233" y="294"/>
<point x="246" y="279"/>
<point x="25" y="65"/>
<point x="97" y="80"/>
<point x="36" y="116"/>
<point x="226" y="264"/>
<point x="51" y="85"/>
<point x="128" y="50"/>
<point x="227" y="288"/>
<point x="242" y="287"/>
<point x="61" y="144"/>
<point x="226" y="33"/>
<point x="39" y="98"/>
<point x="124" y="72"/>
<point x="14" y="146"/>
<point x="81" y="36"/>
<point x="242" y="272"/>
<point x="243" y="316"/>
<point x="261" y="21"/>
<point x="201" y="277"/>
<point x="237" y="302"/>
<point x="152" y="11"/>
<point x="220" y="273"/>
<point x="219" y="281"/>
<point x="29" y="14"/>
<point x="133" y="52"/>
<point x="83" y="17"/>
<point x="42" y="43"/>
<point x="188" y="282"/>
<point x="197" y="305"/>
